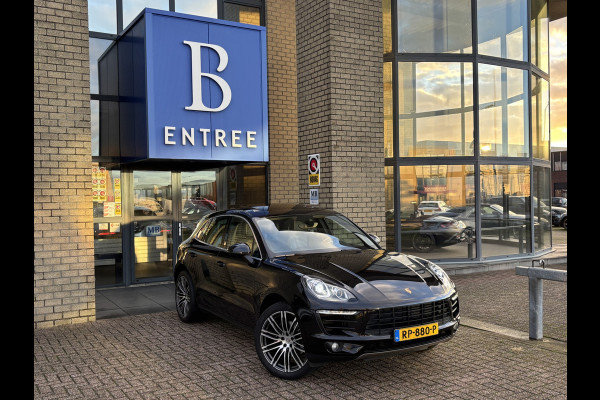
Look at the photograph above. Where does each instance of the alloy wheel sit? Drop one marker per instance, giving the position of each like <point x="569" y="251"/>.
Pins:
<point x="183" y="296"/>
<point x="281" y="342"/>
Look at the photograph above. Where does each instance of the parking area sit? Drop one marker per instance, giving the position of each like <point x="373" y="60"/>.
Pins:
<point x="155" y="356"/>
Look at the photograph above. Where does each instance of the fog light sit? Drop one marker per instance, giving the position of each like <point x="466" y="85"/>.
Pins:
<point x="333" y="346"/>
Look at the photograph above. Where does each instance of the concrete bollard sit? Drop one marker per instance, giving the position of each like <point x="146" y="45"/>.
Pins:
<point x="536" y="295"/>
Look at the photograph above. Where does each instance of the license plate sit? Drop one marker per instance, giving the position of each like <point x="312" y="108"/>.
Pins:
<point x="415" y="332"/>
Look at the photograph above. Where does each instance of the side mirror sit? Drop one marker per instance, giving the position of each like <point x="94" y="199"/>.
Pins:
<point x="241" y="249"/>
<point x="375" y="238"/>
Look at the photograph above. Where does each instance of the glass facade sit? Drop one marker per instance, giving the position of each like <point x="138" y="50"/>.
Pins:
<point x="466" y="130"/>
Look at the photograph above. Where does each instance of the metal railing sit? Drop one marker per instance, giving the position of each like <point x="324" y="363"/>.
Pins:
<point x="537" y="275"/>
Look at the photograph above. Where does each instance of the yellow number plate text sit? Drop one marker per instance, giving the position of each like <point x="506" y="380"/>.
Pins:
<point x="415" y="332"/>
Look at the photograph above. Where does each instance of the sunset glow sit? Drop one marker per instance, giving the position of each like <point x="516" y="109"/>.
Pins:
<point x="558" y="82"/>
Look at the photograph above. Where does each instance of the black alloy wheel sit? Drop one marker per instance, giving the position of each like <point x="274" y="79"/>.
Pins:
<point x="423" y="243"/>
<point x="185" y="297"/>
<point x="279" y="344"/>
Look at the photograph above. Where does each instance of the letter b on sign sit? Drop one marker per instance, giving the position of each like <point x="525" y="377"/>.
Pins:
<point x="197" y="74"/>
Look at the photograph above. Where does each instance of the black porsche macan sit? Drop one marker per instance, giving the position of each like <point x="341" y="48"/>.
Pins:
<point x="312" y="286"/>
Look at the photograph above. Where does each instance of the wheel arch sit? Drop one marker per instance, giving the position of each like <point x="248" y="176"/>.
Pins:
<point x="269" y="300"/>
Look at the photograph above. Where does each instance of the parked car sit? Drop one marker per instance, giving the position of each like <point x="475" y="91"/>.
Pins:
<point x="312" y="286"/>
<point x="432" y="207"/>
<point x="521" y="205"/>
<point x="559" y="202"/>
<point x="559" y="216"/>
<point x="493" y="218"/>
<point x="424" y="233"/>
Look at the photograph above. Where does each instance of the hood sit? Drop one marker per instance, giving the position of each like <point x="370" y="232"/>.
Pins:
<point x="373" y="275"/>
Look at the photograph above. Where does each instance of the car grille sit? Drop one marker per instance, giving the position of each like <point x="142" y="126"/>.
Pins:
<point x="384" y="321"/>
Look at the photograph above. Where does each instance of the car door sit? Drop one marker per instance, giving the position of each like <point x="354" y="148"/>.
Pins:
<point x="212" y="279"/>
<point x="241" y="271"/>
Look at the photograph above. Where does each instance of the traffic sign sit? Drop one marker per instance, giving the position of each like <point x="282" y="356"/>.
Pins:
<point x="314" y="168"/>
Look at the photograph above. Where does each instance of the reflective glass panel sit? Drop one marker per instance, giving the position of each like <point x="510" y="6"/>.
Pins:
<point x="437" y="217"/>
<point x="108" y="242"/>
<point x="505" y="210"/>
<point x="131" y="8"/>
<point x="153" y="247"/>
<point x="239" y="13"/>
<point x="387" y="26"/>
<point x="95" y="124"/>
<point x="97" y="47"/>
<point x="152" y="225"/>
<point x="540" y="36"/>
<point x="503" y="111"/>
<point x="203" y="8"/>
<point x="501" y="28"/>
<point x="388" y="110"/>
<point x="152" y="193"/>
<point x="245" y="185"/>
<point x="102" y="16"/>
<point x="390" y="238"/>
<point x="198" y="196"/>
<point x="435" y="107"/>
<point x="540" y="117"/>
<point x="541" y="208"/>
<point x="434" y="26"/>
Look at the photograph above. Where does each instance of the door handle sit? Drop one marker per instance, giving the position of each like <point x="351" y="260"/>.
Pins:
<point x="220" y="263"/>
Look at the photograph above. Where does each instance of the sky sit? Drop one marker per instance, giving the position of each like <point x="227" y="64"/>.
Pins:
<point x="558" y="82"/>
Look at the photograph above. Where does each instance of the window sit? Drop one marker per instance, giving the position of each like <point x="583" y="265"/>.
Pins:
<point x="240" y="13"/>
<point x="204" y="8"/>
<point x="502" y="28"/>
<point x="506" y="189"/>
<point x="434" y="26"/>
<point x="241" y="232"/>
<point x="216" y="233"/>
<point x="131" y="8"/>
<point x="540" y="117"/>
<point x="102" y="16"/>
<point x="540" y="34"/>
<point x="503" y="111"/>
<point x="435" y="109"/>
<point x="422" y="230"/>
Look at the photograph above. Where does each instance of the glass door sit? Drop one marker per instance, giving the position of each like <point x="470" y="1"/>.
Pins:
<point x="198" y="198"/>
<point x="152" y="224"/>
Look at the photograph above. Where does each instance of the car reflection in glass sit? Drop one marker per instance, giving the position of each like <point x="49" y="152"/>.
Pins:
<point x="423" y="233"/>
<point x="494" y="220"/>
<point x="312" y="287"/>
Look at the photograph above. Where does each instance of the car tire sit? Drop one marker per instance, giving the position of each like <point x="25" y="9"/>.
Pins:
<point x="185" y="298"/>
<point x="564" y="223"/>
<point x="279" y="344"/>
<point x="423" y="243"/>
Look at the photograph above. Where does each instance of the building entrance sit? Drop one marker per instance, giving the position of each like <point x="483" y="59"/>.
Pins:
<point x="141" y="217"/>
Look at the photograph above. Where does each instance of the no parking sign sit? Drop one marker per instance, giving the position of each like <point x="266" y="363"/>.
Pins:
<point x="314" y="168"/>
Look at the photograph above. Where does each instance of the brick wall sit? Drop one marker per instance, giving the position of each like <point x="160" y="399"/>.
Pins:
<point x="64" y="290"/>
<point x="280" y="20"/>
<point x="340" y="106"/>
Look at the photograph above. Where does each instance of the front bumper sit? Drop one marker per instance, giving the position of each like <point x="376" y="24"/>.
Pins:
<point x="371" y="335"/>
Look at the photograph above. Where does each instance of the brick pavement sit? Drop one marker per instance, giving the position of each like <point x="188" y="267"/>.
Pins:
<point x="155" y="356"/>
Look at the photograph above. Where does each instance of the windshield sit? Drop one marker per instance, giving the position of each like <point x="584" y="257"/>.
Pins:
<point x="297" y="234"/>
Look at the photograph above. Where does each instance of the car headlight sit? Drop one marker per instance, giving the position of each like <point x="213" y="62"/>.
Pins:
<point x="440" y="273"/>
<point x="325" y="291"/>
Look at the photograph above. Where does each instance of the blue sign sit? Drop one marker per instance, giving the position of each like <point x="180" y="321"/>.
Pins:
<point x="153" y="230"/>
<point x="205" y="89"/>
